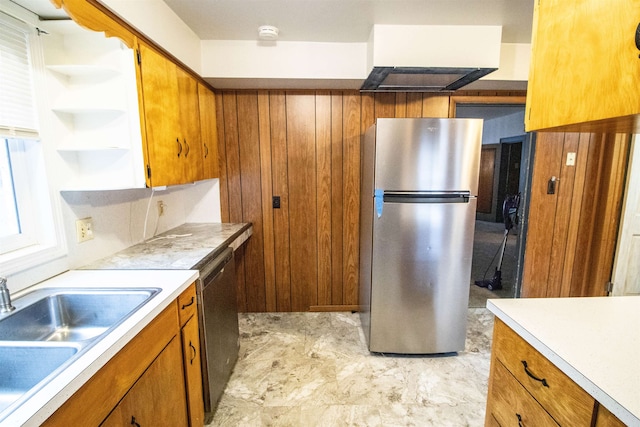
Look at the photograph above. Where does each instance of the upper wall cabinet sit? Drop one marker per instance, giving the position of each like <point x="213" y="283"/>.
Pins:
<point x="172" y="120"/>
<point x="129" y="115"/>
<point x="585" y="66"/>
<point x="208" y="132"/>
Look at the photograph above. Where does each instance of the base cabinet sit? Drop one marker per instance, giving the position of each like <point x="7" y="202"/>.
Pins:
<point x="145" y="383"/>
<point x="190" y="336"/>
<point x="526" y="389"/>
<point x="157" y="398"/>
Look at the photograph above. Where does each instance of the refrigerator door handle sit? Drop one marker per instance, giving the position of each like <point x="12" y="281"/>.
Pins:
<point x="426" y="197"/>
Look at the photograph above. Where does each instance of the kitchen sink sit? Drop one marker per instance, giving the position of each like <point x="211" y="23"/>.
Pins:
<point x="25" y="365"/>
<point x="52" y="327"/>
<point x="60" y="314"/>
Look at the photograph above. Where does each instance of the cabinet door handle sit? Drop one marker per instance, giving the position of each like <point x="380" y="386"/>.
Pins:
<point x="179" y="146"/>
<point x="188" y="148"/>
<point x="193" y="353"/>
<point x="188" y="305"/>
<point x="206" y="151"/>
<point x="531" y="375"/>
<point x="519" y="420"/>
<point x="134" y="422"/>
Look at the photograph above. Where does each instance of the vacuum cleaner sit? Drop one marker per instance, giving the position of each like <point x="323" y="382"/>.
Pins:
<point x="510" y="215"/>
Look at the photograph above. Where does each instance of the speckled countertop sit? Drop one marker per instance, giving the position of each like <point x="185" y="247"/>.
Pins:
<point x="182" y="248"/>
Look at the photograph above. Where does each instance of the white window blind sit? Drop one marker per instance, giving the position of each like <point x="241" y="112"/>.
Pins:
<point x="17" y="109"/>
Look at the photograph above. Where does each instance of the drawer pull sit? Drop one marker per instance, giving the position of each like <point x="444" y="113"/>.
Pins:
<point x="526" y="369"/>
<point x="519" y="420"/>
<point x="193" y="353"/>
<point x="187" y="305"/>
<point x="134" y="422"/>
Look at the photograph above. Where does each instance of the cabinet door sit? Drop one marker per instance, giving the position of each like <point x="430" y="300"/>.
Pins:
<point x="189" y="113"/>
<point x="158" y="397"/>
<point x="160" y="94"/>
<point x="584" y="65"/>
<point x="193" y="372"/>
<point x="208" y="132"/>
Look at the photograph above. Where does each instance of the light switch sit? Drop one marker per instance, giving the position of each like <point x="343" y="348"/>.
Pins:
<point x="571" y="159"/>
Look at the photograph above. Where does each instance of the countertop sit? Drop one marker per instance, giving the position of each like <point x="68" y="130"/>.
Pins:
<point x="181" y="248"/>
<point x="595" y="341"/>
<point x="39" y="406"/>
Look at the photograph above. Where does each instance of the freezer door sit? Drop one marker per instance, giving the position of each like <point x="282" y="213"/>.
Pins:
<point x="427" y="154"/>
<point x="420" y="277"/>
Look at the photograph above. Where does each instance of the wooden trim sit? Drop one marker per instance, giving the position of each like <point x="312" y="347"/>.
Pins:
<point x="455" y="100"/>
<point x="95" y="16"/>
<point x="333" y="308"/>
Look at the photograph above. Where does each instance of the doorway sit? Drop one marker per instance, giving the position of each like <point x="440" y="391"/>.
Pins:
<point x="507" y="153"/>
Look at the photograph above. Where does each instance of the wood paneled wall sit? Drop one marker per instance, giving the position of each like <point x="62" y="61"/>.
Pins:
<point x="572" y="234"/>
<point x="305" y="148"/>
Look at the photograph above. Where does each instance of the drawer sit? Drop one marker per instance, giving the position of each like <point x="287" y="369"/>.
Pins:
<point x="511" y="404"/>
<point x="565" y="401"/>
<point x="187" y="304"/>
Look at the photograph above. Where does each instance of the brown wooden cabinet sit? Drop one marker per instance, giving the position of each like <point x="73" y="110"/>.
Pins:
<point x="607" y="419"/>
<point x="525" y="388"/>
<point x="157" y="398"/>
<point x="585" y="67"/>
<point x="187" y="312"/>
<point x="169" y="95"/>
<point x="208" y="133"/>
<point x="171" y="120"/>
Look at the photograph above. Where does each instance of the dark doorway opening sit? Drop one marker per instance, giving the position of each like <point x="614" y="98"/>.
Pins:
<point x="510" y="169"/>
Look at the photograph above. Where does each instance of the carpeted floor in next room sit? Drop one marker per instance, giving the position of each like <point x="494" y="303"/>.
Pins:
<point x="488" y="238"/>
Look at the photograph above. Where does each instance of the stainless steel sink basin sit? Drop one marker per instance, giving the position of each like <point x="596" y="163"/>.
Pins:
<point x="25" y="365"/>
<point x="70" y="314"/>
<point x="50" y="328"/>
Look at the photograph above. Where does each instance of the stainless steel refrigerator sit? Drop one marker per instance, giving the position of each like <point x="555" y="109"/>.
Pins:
<point x="419" y="186"/>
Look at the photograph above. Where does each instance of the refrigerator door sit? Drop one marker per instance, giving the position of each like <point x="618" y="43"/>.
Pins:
<point x="420" y="276"/>
<point x="427" y="154"/>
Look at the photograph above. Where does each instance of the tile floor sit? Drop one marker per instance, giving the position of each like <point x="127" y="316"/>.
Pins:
<point x="313" y="369"/>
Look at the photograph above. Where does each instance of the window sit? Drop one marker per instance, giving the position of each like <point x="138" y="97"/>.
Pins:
<point x="27" y="227"/>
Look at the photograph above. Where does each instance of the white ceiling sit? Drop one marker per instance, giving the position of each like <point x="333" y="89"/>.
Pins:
<point x="347" y="20"/>
<point x="336" y="20"/>
<point x="340" y="21"/>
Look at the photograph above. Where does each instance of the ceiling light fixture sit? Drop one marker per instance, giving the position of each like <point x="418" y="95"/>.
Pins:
<point x="268" y="32"/>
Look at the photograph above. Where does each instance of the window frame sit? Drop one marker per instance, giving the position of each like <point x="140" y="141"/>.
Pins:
<point x="39" y="202"/>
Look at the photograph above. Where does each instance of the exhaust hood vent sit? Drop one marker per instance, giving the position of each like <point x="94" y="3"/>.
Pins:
<point x="436" y="58"/>
<point x="421" y="79"/>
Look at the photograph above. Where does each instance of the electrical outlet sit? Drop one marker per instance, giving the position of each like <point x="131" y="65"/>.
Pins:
<point x="84" y="229"/>
<point x="161" y="207"/>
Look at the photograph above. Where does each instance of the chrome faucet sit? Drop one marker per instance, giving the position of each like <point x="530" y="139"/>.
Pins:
<point x="5" y="298"/>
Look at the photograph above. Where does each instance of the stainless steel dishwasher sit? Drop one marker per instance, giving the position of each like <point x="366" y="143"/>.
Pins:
<point x="218" y="318"/>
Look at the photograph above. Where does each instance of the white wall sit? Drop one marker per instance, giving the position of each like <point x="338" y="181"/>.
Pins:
<point x="158" y="22"/>
<point x="119" y="216"/>
<point x="503" y="127"/>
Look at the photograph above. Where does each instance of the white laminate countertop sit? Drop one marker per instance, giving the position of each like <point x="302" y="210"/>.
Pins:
<point x="595" y="341"/>
<point x="37" y="407"/>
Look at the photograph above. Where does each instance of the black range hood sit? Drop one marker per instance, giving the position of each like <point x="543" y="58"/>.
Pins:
<point x="421" y="79"/>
